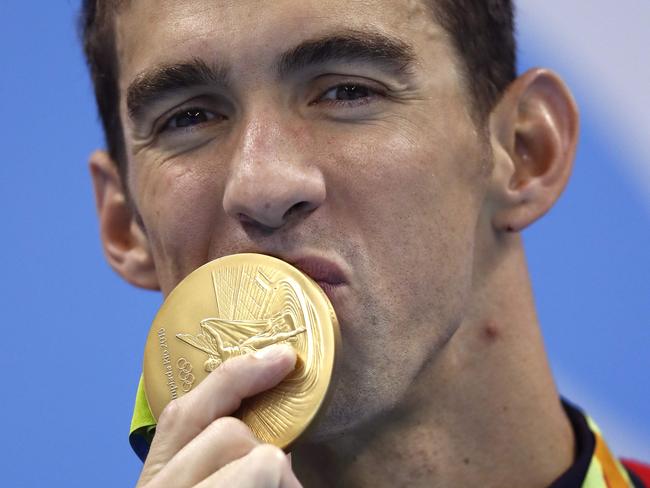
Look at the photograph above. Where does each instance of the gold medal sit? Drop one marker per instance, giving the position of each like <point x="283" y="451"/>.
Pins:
<point x="236" y="305"/>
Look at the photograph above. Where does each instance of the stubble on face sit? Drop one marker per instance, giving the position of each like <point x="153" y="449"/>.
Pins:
<point x="404" y="186"/>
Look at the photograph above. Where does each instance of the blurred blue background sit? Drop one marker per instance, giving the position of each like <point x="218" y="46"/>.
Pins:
<point x="73" y="333"/>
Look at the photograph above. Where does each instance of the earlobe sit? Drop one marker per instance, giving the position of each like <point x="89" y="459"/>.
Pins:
<point x="534" y="132"/>
<point x="125" y="243"/>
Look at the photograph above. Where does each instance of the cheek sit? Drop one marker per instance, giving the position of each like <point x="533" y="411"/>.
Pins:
<point x="179" y="207"/>
<point x="414" y="201"/>
<point x="413" y="197"/>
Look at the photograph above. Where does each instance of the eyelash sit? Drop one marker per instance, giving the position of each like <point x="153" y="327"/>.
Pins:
<point x="211" y="116"/>
<point x="372" y="93"/>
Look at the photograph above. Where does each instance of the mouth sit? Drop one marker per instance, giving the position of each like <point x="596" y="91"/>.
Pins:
<point x="327" y="274"/>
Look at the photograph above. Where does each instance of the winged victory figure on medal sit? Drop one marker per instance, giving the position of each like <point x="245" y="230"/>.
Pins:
<point x="255" y="312"/>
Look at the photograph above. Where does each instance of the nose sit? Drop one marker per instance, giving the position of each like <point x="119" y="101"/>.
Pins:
<point x="271" y="181"/>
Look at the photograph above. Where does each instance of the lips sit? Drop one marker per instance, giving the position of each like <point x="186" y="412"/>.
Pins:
<point x="327" y="274"/>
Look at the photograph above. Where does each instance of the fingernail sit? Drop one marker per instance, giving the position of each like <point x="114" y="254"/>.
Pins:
<point x="273" y="352"/>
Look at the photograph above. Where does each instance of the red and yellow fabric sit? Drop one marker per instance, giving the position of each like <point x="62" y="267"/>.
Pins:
<point x="604" y="469"/>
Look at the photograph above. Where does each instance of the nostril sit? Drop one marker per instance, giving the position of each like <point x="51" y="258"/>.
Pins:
<point x="245" y="219"/>
<point x="297" y="208"/>
<point x="301" y="206"/>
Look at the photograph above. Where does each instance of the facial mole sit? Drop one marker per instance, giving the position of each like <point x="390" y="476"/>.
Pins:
<point x="490" y="330"/>
<point x="267" y="205"/>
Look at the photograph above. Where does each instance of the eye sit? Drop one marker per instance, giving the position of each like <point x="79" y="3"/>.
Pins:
<point x="348" y="94"/>
<point x="188" y="117"/>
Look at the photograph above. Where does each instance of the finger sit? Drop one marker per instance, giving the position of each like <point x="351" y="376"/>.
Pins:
<point x="223" y="441"/>
<point x="218" y="395"/>
<point x="265" y="467"/>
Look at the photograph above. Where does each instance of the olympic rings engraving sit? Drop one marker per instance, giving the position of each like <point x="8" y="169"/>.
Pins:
<point x="185" y="374"/>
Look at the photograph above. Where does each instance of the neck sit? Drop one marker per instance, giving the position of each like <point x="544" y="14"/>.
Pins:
<point x="484" y="412"/>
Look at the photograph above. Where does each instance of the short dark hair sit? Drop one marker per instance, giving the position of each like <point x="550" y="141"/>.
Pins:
<point x="482" y="32"/>
<point x="97" y="31"/>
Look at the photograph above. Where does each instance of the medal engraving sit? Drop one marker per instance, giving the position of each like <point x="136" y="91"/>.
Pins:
<point x="166" y="362"/>
<point x="185" y="374"/>
<point x="222" y="338"/>
<point x="234" y="306"/>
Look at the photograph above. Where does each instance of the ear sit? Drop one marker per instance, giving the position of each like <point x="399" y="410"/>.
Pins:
<point x="125" y="243"/>
<point x="534" y="130"/>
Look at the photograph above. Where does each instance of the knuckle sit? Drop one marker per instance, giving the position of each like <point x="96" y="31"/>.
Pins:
<point x="231" y="366"/>
<point x="231" y="427"/>
<point x="225" y="371"/>
<point x="172" y="415"/>
<point x="266" y="464"/>
<point x="270" y="456"/>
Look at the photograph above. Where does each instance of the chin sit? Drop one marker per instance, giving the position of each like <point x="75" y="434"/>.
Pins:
<point x="330" y="427"/>
<point x="351" y="408"/>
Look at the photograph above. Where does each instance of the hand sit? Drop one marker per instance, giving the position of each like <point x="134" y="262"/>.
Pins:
<point x="198" y="445"/>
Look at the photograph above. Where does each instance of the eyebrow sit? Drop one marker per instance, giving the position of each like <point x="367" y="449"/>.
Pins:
<point x="348" y="46"/>
<point x="160" y="82"/>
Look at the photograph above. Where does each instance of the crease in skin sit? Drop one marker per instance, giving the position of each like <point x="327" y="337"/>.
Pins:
<point x="170" y="157"/>
<point x="139" y="144"/>
<point x="362" y="71"/>
<point x="407" y="95"/>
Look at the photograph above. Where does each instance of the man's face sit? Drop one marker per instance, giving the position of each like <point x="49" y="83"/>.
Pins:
<point x="337" y="129"/>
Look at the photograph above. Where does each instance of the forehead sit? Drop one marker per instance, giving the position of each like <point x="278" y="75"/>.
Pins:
<point x="247" y="32"/>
